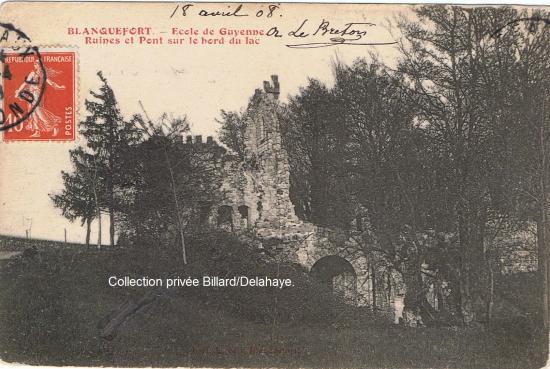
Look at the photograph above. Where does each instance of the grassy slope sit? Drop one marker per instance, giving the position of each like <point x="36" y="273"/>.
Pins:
<point x="50" y="306"/>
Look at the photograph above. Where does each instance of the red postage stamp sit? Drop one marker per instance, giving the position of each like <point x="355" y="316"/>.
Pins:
<point x="39" y="96"/>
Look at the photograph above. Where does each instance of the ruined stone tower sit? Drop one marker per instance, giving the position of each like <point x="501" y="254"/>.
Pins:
<point x="254" y="197"/>
<point x="267" y="158"/>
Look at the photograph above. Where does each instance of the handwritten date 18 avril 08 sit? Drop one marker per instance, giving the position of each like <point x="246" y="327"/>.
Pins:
<point x="267" y="11"/>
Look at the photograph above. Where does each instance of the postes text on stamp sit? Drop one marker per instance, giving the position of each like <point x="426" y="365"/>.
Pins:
<point x="52" y="118"/>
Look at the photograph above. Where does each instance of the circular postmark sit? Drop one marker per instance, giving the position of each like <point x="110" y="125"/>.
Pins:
<point x="21" y="90"/>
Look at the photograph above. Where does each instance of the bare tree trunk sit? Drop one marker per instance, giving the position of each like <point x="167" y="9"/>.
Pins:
<point x="389" y="287"/>
<point x="111" y="205"/>
<point x="415" y="293"/>
<point x="466" y="309"/>
<point x="177" y="208"/>
<point x="98" y="229"/>
<point x="374" y="286"/>
<point x="111" y="183"/>
<point x="88" y="231"/>
<point x="491" y="300"/>
<point x="474" y="276"/>
<point x="546" y="276"/>
<point x="96" y="200"/>
<point x="112" y="226"/>
<point x="542" y="268"/>
<point x="98" y="215"/>
<point x="542" y="229"/>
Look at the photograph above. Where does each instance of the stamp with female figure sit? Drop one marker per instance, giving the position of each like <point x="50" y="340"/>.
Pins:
<point x="52" y="118"/>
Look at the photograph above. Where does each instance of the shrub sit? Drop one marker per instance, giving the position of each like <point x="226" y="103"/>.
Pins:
<point x="224" y="255"/>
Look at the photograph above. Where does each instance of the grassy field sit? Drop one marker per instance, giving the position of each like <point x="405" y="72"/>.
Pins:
<point x="51" y="304"/>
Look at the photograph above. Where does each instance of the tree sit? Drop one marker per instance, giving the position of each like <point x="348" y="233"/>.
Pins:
<point x="517" y="84"/>
<point x="232" y="131"/>
<point x="386" y="162"/>
<point x="79" y="198"/>
<point x="314" y="142"/>
<point x="176" y="181"/>
<point x="109" y="139"/>
<point x="356" y="155"/>
<point x="463" y="84"/>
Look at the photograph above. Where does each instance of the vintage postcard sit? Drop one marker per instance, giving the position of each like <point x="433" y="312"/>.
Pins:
<point x="274" y="185"/>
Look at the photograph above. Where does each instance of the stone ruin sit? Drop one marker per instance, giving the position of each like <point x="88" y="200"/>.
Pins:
<point x="255" y="200"/>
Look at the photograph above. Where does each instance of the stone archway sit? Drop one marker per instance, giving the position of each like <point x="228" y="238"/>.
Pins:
<point x="337" y="274"/>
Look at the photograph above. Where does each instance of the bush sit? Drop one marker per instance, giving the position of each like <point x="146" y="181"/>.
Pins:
<point x="224" y="255"/>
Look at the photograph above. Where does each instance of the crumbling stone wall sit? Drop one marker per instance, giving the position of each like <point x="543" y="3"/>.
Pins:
<point x="273" y="218"/>
<point x="267" y="159"/>
<point x="261" y="183"/>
